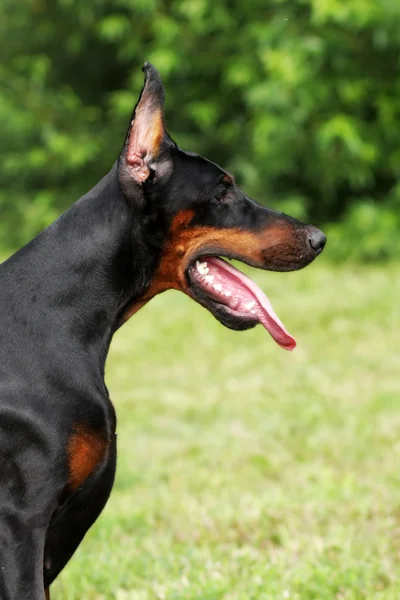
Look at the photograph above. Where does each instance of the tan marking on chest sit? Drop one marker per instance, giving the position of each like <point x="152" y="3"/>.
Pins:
<point x="86" y="451"/>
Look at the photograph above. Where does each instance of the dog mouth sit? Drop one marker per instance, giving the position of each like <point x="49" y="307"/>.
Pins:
<point x="234" y="299"/>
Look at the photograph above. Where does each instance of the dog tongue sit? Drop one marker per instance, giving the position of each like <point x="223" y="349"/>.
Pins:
<point x="242" y="295"/>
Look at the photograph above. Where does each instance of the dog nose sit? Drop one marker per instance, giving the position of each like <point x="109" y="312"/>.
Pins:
<point x="317" y="240"/>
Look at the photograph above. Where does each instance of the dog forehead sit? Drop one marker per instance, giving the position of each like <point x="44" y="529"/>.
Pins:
<point x="198" y="167"/>
<point x="193" y="179"/>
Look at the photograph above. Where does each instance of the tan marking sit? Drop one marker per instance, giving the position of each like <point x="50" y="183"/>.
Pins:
<point x="86" y="450"/>
<point x="147" y="133"/>
<point x="47" y="594"/>
<point x="260" y="249"/>
<point x="158" y="132"/>
<point x="228" y="178"/>
<point x="133" y="308"/>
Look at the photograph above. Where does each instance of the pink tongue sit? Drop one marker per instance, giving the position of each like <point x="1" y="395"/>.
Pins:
<point x="246" y="297"/>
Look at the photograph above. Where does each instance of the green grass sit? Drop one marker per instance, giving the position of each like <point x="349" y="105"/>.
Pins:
<point x="246" y="472"/>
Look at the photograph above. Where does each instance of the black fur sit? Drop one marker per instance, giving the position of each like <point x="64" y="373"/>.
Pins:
<point x="61" y="299"/>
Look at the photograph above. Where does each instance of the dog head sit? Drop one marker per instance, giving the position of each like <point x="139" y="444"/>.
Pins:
<point x="194" y="213"/>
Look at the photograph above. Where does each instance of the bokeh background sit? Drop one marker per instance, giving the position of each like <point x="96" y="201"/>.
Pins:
<point x="244" y="472"/>
<point x="300" y="99"/>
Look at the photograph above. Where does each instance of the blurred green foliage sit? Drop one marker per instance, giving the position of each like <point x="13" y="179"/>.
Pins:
<point x="300" y="99"/>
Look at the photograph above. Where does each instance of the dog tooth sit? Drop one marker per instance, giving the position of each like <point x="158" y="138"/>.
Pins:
<point x="253" y="311"/>
<point x="218" y="287"/>
<point x="228" y="293"/>
<point x="250" y="305"/>
<point x="209" y="278"/>
<point x="202" y="268"/>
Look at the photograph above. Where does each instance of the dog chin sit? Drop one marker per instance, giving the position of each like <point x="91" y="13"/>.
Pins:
<point x="233" y="322"/>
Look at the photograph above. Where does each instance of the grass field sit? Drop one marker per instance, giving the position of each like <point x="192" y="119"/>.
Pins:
<point x="246" y="472"/>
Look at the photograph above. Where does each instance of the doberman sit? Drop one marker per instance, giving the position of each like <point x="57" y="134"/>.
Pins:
<point x="160" y="219"/>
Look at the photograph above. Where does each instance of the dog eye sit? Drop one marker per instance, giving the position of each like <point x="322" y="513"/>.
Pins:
<point x="222" y="194"/>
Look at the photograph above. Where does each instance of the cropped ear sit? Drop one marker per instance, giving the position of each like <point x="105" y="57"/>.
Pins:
<point x="146" y="132"/>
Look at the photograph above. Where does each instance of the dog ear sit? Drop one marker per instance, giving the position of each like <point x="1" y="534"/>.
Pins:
<point x="146" y="133"/>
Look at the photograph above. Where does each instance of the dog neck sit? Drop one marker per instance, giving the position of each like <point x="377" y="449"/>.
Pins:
<point x="74" y="280"/>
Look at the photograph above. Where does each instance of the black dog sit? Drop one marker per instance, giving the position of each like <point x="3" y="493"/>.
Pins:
<point x="159" y="220"/>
